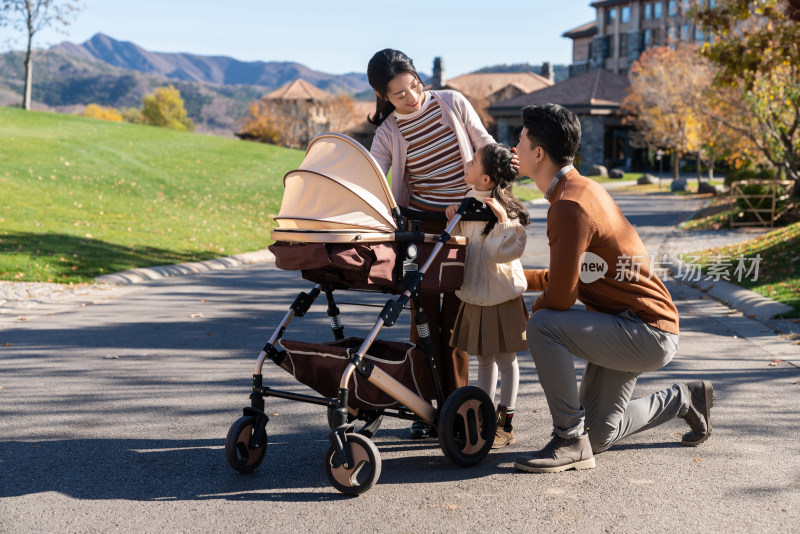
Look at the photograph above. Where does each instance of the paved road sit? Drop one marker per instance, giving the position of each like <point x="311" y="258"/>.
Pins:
<point x="113" y="416"/>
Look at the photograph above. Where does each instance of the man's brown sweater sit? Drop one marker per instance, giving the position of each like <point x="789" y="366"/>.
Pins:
<point x="583" y="218"/>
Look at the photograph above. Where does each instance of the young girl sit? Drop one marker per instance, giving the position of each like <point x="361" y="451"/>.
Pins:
<point x="492" y="318"/>
<point x="426" y="138"/>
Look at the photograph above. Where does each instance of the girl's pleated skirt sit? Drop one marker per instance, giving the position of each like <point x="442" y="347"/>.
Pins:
<point x="491" y="329"/>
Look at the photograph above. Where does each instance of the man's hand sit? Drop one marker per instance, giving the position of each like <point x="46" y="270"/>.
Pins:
<point x="450" y="212"/>
<point x="497" y="209"/>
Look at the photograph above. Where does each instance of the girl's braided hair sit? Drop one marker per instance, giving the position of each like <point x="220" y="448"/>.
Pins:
<point x="497" y="164"/>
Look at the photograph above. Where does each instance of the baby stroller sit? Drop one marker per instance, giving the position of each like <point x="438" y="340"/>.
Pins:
<point x="340" y="226"/>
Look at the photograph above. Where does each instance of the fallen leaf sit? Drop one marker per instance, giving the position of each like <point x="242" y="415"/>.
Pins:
<point x="21" y="318"/>
<point x="774" y="363"/>
<point x="202" y="301"/>
<point x="8" y="344"/>
<point x="210" y="334"/>
<point x="196" y="315"/>
<point x="697" y="460"/>
<point x="451" y="507"/>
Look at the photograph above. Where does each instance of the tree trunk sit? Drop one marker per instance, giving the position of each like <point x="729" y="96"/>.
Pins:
<point x="711" y="170"/>
<point x="699" y="170"/>
<point x="26" y="98"/>
<point x="676" y="166"/>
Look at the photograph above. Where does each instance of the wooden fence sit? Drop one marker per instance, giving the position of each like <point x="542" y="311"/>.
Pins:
<point x="761" y="201"/>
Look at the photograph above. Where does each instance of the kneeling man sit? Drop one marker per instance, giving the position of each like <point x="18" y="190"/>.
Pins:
<point x="629" y="326"/>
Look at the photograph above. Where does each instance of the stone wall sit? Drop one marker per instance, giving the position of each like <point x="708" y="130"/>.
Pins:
<point x="591" y="151"/>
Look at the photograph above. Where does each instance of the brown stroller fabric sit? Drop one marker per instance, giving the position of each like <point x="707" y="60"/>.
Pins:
<point x="363" y="266"/>
<point x="372" y="266"/>
<point x="321" y="366"/>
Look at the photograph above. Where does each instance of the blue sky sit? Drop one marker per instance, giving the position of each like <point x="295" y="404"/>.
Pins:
<point x="336" y="37"/>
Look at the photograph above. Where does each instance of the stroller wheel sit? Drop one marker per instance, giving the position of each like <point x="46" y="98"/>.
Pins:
<point x="467" y="426"/>
<point x="372" y="421"/>
<point x="364" y="472"/>
<point x="240" y="455"/>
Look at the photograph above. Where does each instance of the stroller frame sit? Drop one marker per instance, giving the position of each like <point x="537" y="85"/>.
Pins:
<point x="465" y="420"/>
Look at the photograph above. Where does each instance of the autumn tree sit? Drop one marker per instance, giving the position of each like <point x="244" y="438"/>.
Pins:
<point x="668" y="86"/>
<point x="32" y="16"/>
<point x="756" y="49"/>
<point x="261" y="123"/>
<point x="164" y="107"/>
<point x="340" y="112"/>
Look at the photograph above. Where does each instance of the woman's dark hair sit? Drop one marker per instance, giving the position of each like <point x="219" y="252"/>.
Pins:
<point x="381" y="70"/>
<point x="497" y="164"/>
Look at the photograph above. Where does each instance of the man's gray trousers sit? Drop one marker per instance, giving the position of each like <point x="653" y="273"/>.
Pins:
<point x="617" y="349"/>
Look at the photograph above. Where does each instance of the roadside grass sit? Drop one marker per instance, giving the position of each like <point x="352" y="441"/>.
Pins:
<point x="778" y="273"/>
<point x="715" y="215"/>
<point x="526" y="190"/>
<point x="691" y="188"/>
<point x="83" y="197"/>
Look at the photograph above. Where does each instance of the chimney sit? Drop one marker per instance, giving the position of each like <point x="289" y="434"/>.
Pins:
<point x="547" y="71"/>
<point x="438" y="73"/>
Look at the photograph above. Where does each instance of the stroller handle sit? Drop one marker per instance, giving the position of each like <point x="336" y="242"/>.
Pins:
<point x="477" y="211"/>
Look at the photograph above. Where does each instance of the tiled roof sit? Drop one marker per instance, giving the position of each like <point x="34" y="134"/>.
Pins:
<point x="298" y="90"/>
<point x="585" y="30"/>
<point x="596" y="88"/>
<point x="485" y="84"/>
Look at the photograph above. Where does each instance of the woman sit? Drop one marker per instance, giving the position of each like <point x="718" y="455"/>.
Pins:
<point x="426" y="138"/>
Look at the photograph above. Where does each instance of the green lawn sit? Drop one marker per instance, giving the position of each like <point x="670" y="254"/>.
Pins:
<point x="83" y="197"/>
<point x="778" y="268"/>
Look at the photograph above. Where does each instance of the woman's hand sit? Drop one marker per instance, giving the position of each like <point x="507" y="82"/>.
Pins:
<point x="515" y="160"/>
<point x="497" y="209"/>
<point x="450" y="212"/>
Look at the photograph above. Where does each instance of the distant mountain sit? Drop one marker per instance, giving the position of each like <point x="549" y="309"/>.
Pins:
<point x="219" y="70"/>
<point x="67" y="83"/>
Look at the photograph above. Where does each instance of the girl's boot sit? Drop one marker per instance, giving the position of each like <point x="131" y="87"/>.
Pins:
<point x="505" y="432"/>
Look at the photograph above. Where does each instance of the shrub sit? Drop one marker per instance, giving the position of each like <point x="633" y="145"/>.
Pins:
<point x="164" y="107"/>
<point x="94" y="111"/>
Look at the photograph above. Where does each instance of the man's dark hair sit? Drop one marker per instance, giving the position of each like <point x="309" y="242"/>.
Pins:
<point x="554" y="128"/>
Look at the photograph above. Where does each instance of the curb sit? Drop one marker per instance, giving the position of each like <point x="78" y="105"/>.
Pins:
<point x="159" y="272"/>
<point x="750" y="303"/>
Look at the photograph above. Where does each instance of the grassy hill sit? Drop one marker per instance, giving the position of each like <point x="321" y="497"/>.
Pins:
<point x="67" y="83"/>
<point x="83" y="197"/>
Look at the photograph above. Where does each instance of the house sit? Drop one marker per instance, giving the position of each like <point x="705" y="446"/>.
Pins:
<point x="484" y="89"/>
<point x="303" y="111"/>
<point x="595" y="97"/>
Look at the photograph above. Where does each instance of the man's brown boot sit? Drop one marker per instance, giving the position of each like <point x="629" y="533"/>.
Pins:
<point x="559" y="455"/>
<point x="698" y="415"/>
<point x="504" y="435"/>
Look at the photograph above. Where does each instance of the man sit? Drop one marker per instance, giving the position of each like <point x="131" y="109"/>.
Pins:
<point x="629" y="326"/>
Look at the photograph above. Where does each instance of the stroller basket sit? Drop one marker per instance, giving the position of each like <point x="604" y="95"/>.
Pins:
<point x="320" y="366"/>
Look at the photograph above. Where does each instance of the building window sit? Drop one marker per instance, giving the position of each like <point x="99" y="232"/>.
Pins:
<point x="625" y="17"/>
<point x="648" y="11"/>
<point x="648" y="38"/>
<point x="611" y="15"/>
<point x="711" y="4"/>
<point x="657" y="10"/>
<point x="672" y="8"/>
<point x="685" y="32"/>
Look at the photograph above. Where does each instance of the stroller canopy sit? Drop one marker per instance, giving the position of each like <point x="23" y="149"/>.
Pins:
<point x="338" y="188"/>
